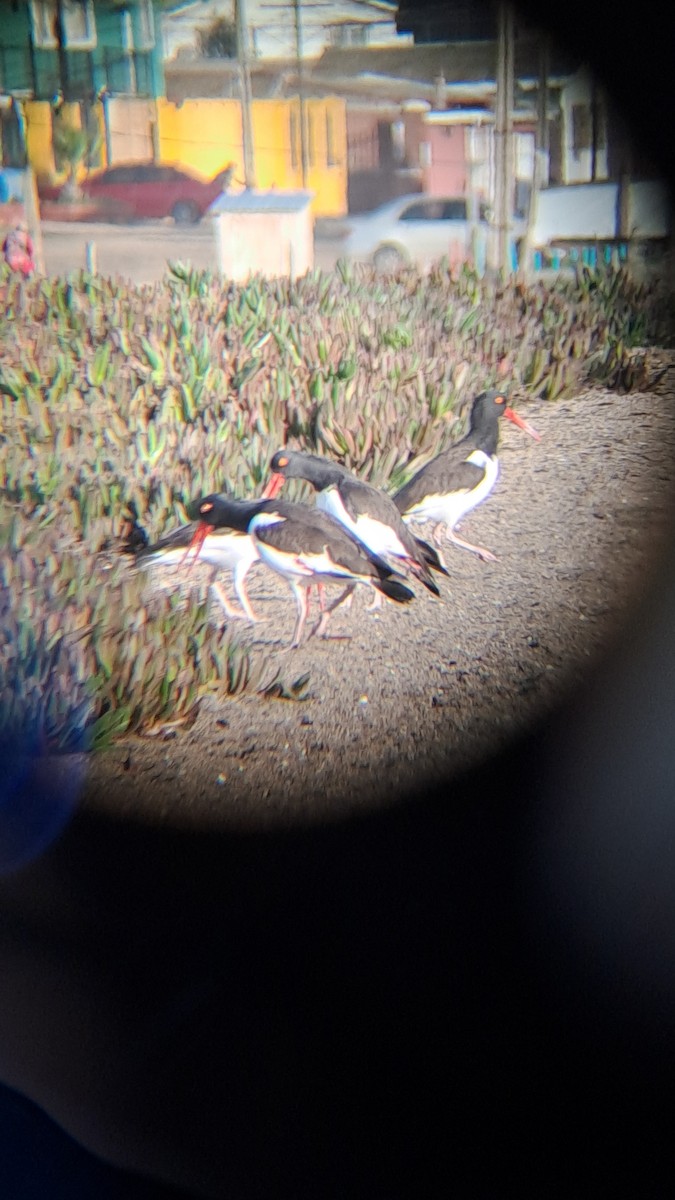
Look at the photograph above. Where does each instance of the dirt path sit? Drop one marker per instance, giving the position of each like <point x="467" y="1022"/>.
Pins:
<point x="417" y="692"/>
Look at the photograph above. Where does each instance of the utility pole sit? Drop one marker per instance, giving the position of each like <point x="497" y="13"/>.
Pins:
<point x="301" y="91"/>
<point x="61" y="53"/>
<point x="540" y="173"/>
<point x="542" y="143"/>
<point x="246" y="98"/>
<point x="594" y="129"/>
<point x="504" y="136"/>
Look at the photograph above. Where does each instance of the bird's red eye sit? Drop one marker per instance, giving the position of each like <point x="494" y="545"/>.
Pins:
<point x="500" y="399"/>
<point x="206" y="507"/>
<point x="282" y="462"/>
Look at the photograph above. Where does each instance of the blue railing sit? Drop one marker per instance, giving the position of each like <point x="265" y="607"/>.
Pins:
<point x="554" y="258"/>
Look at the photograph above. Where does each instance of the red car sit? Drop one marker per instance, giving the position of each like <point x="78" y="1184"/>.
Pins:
<point x="148" y="189"/>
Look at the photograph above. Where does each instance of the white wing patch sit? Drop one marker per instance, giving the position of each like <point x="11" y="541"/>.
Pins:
<point x="450" y="509"/>
<point x="265" y="518"/>
<point x="288" y="565"/>
<point x="298" y="564"/>
<point x="324" y="564"/>
<point x="379" y="538"/>
<point x="303" y="566"/>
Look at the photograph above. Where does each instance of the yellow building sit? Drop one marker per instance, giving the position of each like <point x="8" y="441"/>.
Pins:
<point x="206" y="135"/>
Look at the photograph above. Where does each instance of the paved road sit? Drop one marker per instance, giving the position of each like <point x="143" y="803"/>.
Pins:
<point x="140" y="252"/>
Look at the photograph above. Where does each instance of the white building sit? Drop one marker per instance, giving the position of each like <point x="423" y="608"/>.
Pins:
<point x="273" y="29"/>
<point x="582" y="104"/>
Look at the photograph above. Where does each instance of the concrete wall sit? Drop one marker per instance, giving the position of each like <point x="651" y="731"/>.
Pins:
<point x="130" y="123"/>
<point x="266" y="243"/>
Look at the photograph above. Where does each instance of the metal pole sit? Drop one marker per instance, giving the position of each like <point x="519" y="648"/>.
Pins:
<point x="31" y="206"/>
<point x="540" y="175"/>
<point x="503" y="136"/>
<point x="61" y="53"/>
<point x="301" y="90"/>
<point x="246" y="98"/>
<point x="594" y="130"/>
<point x="105" y="101"/>
<point x="542" y="94"/>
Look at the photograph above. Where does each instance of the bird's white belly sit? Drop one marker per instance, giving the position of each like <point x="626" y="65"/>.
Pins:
<point x="230" y="551"/>
<point x="301" y="566"/>
<point x="288" y="565"/>
<point x="450" y="509"/>
<point x="380" y="539"/>
<point x="285" y="562"/>
<point x="225" y="552"/>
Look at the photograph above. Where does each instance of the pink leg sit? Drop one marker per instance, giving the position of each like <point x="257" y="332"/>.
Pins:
<point x="345" y="597"/>
<point x="231" y="612"/>
<point x="375" y="603"/>
<point x="301" y="591"/>
<point x="486" y="555"/>
<point x="239" y="587"/>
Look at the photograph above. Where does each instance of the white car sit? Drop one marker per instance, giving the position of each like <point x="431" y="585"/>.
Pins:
<point x="416" y="229"/>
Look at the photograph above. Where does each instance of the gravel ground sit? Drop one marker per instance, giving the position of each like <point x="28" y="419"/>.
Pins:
<point x="416" y="692"/>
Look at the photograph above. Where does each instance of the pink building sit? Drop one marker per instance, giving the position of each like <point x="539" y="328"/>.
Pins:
<point x="440" y="153"/>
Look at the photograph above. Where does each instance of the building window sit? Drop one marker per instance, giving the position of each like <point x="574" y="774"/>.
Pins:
<point x="79" y="26"/>
<point x="581" y="128"/>
<point x="600" y="126"/>
<point x="398" y="143"/>
<point x="435" y="210"/>
<point x="348" y="34"/>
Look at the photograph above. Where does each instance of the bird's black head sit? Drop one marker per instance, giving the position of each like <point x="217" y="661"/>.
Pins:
<point x="320" y="472"/>
<point x="282" y="462"/>
<point x="488" y="407"/>
<point x="225" y="512"/>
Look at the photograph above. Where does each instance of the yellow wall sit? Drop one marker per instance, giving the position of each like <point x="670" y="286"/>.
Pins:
<point x="271" y="141"/>
<point x="328" y="180"/>
<point x="39" y="115"/>
<point x="206" y="135"/>
<point x="202" y="135"/>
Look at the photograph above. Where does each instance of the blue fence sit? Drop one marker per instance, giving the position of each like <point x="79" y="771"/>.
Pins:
<point x="589" y="256"/>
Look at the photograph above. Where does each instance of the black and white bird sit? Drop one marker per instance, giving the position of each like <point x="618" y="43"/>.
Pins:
<point x="303" y="545"/>
<point x="369" y="514"/>
<point x="223" y="549"/>
<point x="454" y="482"/>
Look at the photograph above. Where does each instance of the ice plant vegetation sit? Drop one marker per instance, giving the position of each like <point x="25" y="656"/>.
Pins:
<point x="121" y="402"/>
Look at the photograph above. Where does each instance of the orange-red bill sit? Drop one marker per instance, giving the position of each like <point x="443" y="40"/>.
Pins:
<point x="197" y="542"/>
<point x="522" y="424"/>
<point x="274" y="486"/>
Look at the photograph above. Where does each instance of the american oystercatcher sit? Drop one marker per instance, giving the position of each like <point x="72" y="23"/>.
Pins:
<point x="304" y="546"/>
<point x="454" y="482"/>
<point x="367" y="513"/>
<point x="223" y="549"/>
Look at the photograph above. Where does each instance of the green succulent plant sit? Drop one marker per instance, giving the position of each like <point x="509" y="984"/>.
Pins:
<point x="117" y="399"/>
